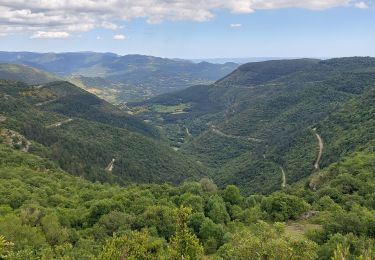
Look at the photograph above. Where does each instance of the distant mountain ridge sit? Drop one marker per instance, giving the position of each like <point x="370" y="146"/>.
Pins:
<point x="127" y="77"/>
<point x="244" y="60"/>
<point x="26" y="74"/>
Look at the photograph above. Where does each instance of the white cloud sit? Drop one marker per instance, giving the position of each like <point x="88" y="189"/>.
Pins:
<point x="361" y="5"/>
<point x="119" y="37"/>
<point x="98" y="37"/>
<point x="84" y="15"/>
<point x="109" y="25"/>
<point x="235" y="25"/>
<point x="50" y="35"/>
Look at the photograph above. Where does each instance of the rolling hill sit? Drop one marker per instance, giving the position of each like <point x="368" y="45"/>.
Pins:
<point x="83" y="134"/>
<point x="122" y="78"/>
<point x="261" y="120"/>
<point x="25" y="74"/>
<point x="264" y="127"/>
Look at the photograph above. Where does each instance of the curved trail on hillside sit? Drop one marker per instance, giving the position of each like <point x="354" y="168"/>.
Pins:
<point x="58" y="124"/>
<point x="321" y="147"/>
<point x="109" y="168"/>
<point x="45" y="103"/>
<point x="187" y="131"/>
<point x="218" y="132"/>
<point x="283" y="183"/>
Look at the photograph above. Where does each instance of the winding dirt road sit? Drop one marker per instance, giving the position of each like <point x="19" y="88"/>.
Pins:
<point x="58" y="124"/>
<point x="109" y="168"/>
<point x="321" y="147"/>
<point x="45" y="103"/>
<point x="283" y="182"/>
<point x="187" y="131"/>
<point x="218" y="132"/>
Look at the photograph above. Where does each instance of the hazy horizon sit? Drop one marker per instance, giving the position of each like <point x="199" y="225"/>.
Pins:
<point x="194" y="59"/>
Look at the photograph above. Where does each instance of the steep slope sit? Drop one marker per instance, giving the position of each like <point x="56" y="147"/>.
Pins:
<point x="351" y="128"/>
<point x="67" y="99"/>
<point x="123" y="78"/>
<point x="25" y="74"/>
<point x="47" y="214"/>
<point x="261" y="117"/>
<point x="83" y="134"/>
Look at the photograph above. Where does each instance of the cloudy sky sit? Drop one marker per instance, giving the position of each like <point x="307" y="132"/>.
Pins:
<point x="191" y="28"/>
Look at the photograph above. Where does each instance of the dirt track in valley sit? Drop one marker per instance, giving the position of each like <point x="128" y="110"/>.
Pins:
<point x="283" y="183"/>
<point x="109" y="168"/>
<point x="321" y="147"/>
<point x="58" y="124"/>
<point x="218" y="132"/>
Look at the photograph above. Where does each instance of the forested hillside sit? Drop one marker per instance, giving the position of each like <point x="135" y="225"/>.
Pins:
<point x="85" y="135"/>
<point x="25" y="74"/>
<point x="260" y="123"/>
<point x="46" y="213"/>
<point x="274" y="161"/>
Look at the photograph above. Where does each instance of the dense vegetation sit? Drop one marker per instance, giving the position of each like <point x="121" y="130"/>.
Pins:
<point x="83" y="134"/>
<point x="82" y="179"/>
<point x="261" y="120"/>
<point x="46" y="213"/>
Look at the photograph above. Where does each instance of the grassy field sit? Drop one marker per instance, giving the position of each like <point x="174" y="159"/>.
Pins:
<point x="298" y="229"/>
<point x="170" y="109"/>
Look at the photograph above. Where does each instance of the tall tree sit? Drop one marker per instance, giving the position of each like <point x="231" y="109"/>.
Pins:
<point x="184" y="244"/>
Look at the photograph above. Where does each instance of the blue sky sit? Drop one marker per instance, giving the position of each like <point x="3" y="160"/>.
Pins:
<point x="310" y="31"/>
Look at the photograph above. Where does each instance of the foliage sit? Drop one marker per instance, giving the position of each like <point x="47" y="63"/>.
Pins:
<point x="98" y="133"/>
<point x="232" y="195"/>
<point x="208" y="185"/>
<point x="282" y="207"/>
<point x="49" y="214"/>
<point x="264" y="241"/>
<point x="4" y="247"/>
<point x="261" y="117"/>
<point x="132" y="246"/>
<point x="184" y="244"/>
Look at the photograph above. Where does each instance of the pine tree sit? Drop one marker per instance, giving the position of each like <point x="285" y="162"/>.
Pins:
<point x="184" y="244"/>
